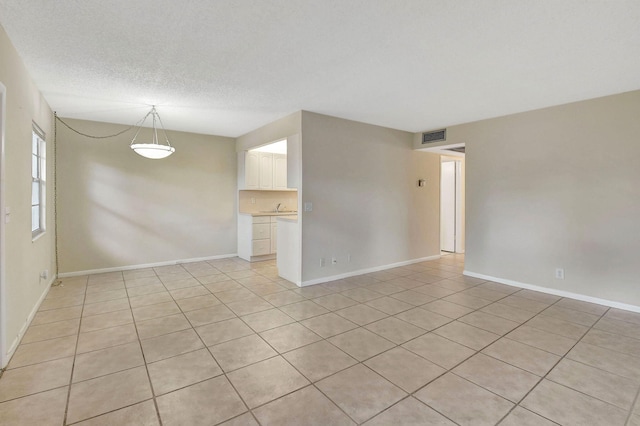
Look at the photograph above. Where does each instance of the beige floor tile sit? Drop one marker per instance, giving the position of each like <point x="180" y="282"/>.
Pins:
<point x="169" y="345"/>
<point x="265" y="320"/>
<point x="570" y="315"/>
<point x="73" y="289"/>
<point x="234" y="295"/>
<point x="360" y="392"/>
<point x="508" y="312"/>
<point x="303" y="310"/>
<point x="497" y="287"/>
<point x="54" y="315"/>
<point x="103" y="296"/>
<point x="108" y="320"/>
<point x="37" y="333"/>
<point x="509" y="382"/>
<point x="187" y="292"/>
<point x="144" y="290"/>
<point x="409" y="412"/>
<point x="328" y="325"/>
<point x="150" y="299"/>
<point x="614" y="362"/>
<point x="107" y="361"/>
<point x="549" y="342"/>
<point x="42" y="409"/>
<point x="615" y="342"/>
<point x="414" y="298"/>
<point x="484" y="293"/>
<point x="223" y="331"/>
<point x="142" y="414"/>
<point x="182" y="370"/>
<point x="361" y="314"/>
<point x="265" y="381"/>
<point x="209" y="315"/>
<point x="489" y="322"/>
<point x="241" y="352"/>
<point x="176" y="281"/>
<point x="283" y="298"/>
<point x="103" y="394"/>
<point x="463" y="402"/>
<point x="525" y="304"/>
<point x="395" y="330"/>
<point x="48" y="350"/>
<point x="157" y="310"/>
<point x="389" y="305"/>
<point x="319" y="360"/>
<point x="470" y="302"/>
<point x="405" y="369"/>
<point x="599" y="384"/>
<point x="306" y="406"/>
<point x="106" y="338"/>
<point x="385" y="288"/>
<point x="424" y="319"/>
<point x="163" y="325"/>
<point x="24" y="381"/>
<point x="621" y="315"/>
<point x="521" y="417"/>
<point x="219" y="283"/>
<point x="447" y="309"/>
<point x="104" y="307"/>
<point x="536" y="295"/>
<point x="62" y="302"/>
<point x="362" y="294"/>
<point x="197" y="302"/>
<point x="361" y="344"/>
<point x="578" y="305"/>
<point x="206" y="403"/>
<point x="618" y="327"/>
<point x="439" y="350"/>
<point x="467" y="335"/>
<point x="433" y="290"/>
<point x="142" y="281"/>
<point x="289" y="337"/>
<point x="523" y="356"/>
<point x="571" y="408"/>
<point x="557" y="326"/>
<point x="335" y="301"/>
<point x="313" y="291"/>
<point x="634" y="420"/>
<point x="249" y="306"/>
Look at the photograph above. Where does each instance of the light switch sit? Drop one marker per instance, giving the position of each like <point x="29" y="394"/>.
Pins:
<point x="308" y="207"/>
<point x="7" y="215"/>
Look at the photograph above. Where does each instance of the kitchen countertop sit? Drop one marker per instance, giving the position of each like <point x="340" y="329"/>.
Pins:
<point x="289" y="218"/>
<point x="254" y="214"/>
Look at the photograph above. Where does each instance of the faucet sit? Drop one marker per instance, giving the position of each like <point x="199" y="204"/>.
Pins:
<point x="278" y="207"/>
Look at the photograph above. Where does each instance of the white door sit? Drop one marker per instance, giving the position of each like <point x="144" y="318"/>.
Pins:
<point x="3" y="219"/>
<point x="448" y="206"/>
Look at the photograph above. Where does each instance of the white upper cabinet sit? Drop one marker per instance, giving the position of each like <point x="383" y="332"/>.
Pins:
<point x="264" y="170"/>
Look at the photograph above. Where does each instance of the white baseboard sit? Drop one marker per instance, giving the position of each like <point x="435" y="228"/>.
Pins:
<point x="367" y="270"/>
<point x="146" y="265"/>
<point x="556" y="292"/>
<point x="27" y="323"/>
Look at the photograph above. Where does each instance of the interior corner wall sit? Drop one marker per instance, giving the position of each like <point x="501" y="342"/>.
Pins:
<point x="25" y="259"/>
<point x="362" y="181"/>
<point x="118" y="209"/>
<point x="557" y="188"/>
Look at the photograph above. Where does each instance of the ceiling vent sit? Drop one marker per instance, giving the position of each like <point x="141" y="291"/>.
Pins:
<point x="436" y="136"/>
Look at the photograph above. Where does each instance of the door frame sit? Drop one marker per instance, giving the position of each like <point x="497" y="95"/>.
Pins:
<point x="3" y="216"/>
<point x="457" y="242"/>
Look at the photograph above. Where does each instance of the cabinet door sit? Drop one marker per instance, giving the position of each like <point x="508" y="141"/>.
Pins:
<point x="274" y="233"/>
<point x="260" y="247"/>
<point x="279" y="171"/>
<point x="261" y="231"/>
<point x="252" y="170"/>
<point x="266" y="170"/>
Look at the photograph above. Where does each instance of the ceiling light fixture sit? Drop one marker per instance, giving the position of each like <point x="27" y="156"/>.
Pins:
<point x="153" y="150"/>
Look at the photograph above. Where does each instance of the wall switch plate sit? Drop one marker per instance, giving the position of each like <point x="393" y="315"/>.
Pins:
<point x="308" y="207"/>
<point x="322" y="262"/>
<point x="559" y="273"/>
<point x="334" y="261"/>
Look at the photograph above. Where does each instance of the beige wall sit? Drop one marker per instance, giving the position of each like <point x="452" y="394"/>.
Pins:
<point x="557" y="188"/>
<point x="117" y="208"/>
<point x="25" y="260"/>
<point x="362" y="181"/>
<point x="277" y="130"/>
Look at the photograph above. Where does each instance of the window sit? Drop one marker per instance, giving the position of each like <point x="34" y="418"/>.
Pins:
<point x="38" y="179"/>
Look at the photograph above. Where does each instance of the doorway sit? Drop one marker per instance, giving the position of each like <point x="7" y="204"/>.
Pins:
<point x="451" y="206"/>
<point x="3" y="219"/>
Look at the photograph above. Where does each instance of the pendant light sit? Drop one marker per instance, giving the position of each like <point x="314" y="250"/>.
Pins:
<point x="153" y="150"/>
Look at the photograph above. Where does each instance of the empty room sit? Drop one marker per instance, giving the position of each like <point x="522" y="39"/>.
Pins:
<point x="319" y="213"/>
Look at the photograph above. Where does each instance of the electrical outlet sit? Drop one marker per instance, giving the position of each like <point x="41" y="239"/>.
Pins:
<point x="308" y="207"/>
<point x="322" y="262"/>
<point x="559" y="273"/>
<point x="253" y="200"/>
<point x="334" y="261"/>
<point x="44" y="274"/>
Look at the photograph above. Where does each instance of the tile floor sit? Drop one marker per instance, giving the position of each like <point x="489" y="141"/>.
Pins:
<point x="228" y="342"/>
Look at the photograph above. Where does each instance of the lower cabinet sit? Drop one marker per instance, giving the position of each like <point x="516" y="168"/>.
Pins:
<point x="257" y="237"/>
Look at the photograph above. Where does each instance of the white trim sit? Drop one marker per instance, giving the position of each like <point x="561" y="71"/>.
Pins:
<point x="556" y="292"/>
<point x="4" y="360"/>
<point x="368" y="270"/>
<point x="145" y="265"/>
<point x="27" y="323"/>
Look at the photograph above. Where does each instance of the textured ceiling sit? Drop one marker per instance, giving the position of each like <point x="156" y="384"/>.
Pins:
<point x="228" y="67"/>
